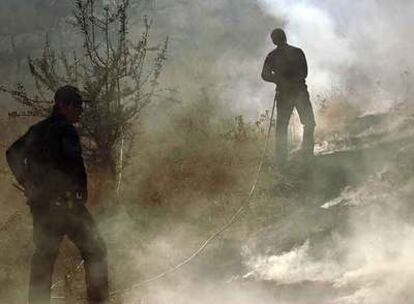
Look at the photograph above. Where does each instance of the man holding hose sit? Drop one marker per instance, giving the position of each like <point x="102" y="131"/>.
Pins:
<point x="286" y="67"/>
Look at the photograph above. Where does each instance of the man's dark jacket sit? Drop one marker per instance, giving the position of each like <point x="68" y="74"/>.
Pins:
<point x="52" y="160"/>
<point x="286" y="66"/>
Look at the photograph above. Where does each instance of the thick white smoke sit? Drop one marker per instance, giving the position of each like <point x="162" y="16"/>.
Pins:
<point x="370" y="261"/>
<point x="362" y="46"/>
<point x="315" y="31"/>
<point x="378" y="266"/>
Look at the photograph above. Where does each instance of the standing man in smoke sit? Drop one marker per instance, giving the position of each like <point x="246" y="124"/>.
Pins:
<point x="286" y="67"/>
<point x="47" y="162"/>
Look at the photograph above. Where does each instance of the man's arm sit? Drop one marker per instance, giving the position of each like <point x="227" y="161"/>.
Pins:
<point x="303" y="66"/>
<point x="16" y="158"/>
<point x="267" y="73"/>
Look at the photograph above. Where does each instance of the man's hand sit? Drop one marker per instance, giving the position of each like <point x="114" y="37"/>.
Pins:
<point x="267" y="73"/>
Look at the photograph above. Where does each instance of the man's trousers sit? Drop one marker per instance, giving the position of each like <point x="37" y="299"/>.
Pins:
<point x="287" y="100"/>
<point x="50" y="225"/>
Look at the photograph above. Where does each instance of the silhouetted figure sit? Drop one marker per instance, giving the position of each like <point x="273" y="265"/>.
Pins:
<point x="47" y="162"/>
<point x="286" y="67"/>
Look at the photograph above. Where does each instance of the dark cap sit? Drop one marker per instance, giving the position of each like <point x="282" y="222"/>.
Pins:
<point x="68" y="94"/>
